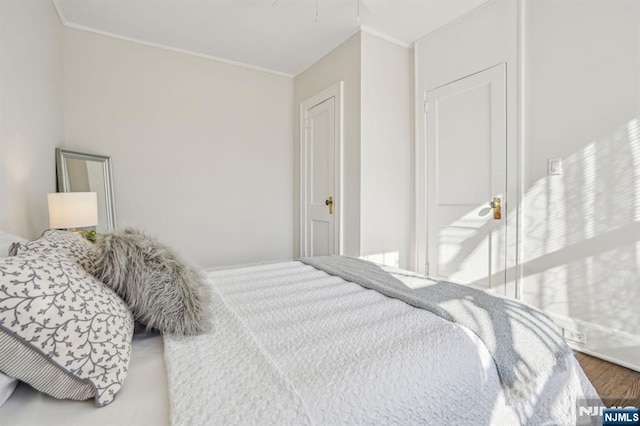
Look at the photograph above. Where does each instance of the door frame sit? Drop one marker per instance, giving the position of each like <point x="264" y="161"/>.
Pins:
<point x="495" y="77"/>
<point x="514" y="188"/>
<point x="335" y="91"/>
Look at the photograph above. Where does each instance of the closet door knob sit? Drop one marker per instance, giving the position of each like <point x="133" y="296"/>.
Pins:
<point x="329" y="203"/>
<point x="496" y="205"/>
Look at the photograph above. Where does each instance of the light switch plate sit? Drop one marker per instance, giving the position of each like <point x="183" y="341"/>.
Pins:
<point x="554" y="166"/>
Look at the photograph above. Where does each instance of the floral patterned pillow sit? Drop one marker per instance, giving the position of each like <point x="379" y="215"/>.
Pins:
<point x="63" y="243"/>
<point x="61" y="330"/>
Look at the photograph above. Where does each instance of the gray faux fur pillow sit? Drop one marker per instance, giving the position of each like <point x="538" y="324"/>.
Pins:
<point x="162" y="292"/>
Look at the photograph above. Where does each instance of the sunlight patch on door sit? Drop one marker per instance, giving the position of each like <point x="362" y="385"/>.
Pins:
<point x="391" y="258"/>
<point x="462" y="257"/>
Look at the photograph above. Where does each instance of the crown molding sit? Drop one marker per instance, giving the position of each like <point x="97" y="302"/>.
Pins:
<point x="383" y="36"/>
<point x="360" y="29"/>
<point x="326" y="53"/>
<point x="72" y="25"/>
<point x="63" y="20"/>
<point x="455" y="21"/>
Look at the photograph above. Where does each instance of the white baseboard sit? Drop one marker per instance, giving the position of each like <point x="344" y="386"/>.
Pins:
<point x="606" y="343"/>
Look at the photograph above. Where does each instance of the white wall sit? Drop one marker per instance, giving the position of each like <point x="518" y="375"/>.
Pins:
<point x="31" y="112"/>
<point x="581" y="230"/>
<point x="202" y="150"/>
<point x="378" y="142"/>
<point x="341" y="64"/>
<point x="386" y="152"/>
<point x="475" y="42"/>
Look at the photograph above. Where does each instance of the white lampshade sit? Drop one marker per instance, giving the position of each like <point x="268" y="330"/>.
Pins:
<point x="72" y="209"/>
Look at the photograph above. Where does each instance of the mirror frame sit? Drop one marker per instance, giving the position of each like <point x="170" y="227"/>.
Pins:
<point x="63" y="178"/>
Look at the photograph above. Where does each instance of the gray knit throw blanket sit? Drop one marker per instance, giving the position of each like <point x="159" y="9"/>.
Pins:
<point x="525" y="344"/>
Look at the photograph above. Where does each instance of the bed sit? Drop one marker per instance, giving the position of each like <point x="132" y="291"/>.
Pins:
<point x="143" y="400"/>
<point x="293" y="344"/>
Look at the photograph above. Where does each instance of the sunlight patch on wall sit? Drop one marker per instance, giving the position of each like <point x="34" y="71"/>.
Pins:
<point x="581" y="234"/>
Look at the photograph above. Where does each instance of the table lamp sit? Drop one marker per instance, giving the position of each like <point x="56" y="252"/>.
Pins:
<point x="72" y="210"/>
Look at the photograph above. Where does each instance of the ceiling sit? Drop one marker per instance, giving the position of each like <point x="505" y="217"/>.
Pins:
<point x="281" y="37"/>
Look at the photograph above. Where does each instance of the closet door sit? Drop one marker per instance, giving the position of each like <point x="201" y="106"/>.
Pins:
<point x="467" y="180"/>
<point x="320" y="143"/>
<point x="321" y="173"/>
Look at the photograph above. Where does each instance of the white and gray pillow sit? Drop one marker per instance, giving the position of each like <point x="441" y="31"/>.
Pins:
<point x="162" y="291"/>
<point x="62" y="331"/>
<point x="53" y="241"/>
<point x="7" y="241"/>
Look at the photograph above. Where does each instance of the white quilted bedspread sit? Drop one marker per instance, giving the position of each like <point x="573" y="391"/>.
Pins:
<point x="293" y="345"/>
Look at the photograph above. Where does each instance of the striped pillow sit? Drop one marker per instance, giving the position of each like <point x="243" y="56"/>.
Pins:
<point x="61" y="330"/>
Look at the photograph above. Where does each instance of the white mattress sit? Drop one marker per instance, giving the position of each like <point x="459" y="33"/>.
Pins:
<point x="337" y="353"/>
<point x="143" y="399"/>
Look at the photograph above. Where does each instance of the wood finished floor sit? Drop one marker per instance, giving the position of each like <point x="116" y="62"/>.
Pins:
<point x="616" y="385"/>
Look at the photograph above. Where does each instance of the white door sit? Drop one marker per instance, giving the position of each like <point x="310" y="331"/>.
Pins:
<point x="320" y="174"/>
<point x="467" y="166"/>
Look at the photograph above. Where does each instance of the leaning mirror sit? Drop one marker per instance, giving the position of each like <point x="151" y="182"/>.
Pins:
<point x="80" y="172"/>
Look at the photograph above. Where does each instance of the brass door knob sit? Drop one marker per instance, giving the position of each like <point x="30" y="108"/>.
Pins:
<point x="496" y="205"/>
<point x="329" y="203"/>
